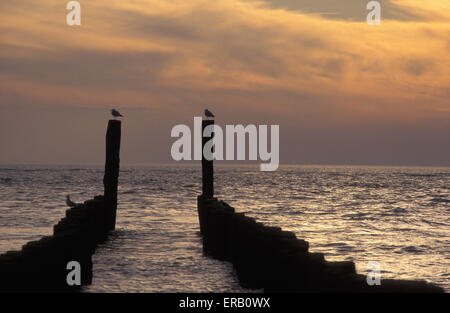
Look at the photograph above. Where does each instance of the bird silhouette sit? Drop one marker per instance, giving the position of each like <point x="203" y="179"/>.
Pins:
<point x="70" y="202"/>
<point x="116" y="113"/>
<point x="208" y="113"/>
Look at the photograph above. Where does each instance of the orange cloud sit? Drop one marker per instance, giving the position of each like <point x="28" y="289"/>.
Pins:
<point x="179" y="56"/>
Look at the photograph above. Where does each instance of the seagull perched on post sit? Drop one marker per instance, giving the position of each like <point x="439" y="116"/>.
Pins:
<point x="116" y="113"/>
<point x="70" y="202"/>
<point x="208" y="113"/>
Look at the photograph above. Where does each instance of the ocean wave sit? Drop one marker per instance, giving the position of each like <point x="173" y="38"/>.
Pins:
<point x="334" y="244"/>
<point x="368" y="185"/>
<point x="399" y="211"/>
<point x="427" y="175"/>
<point x="127" y="192"/>
<point x="414" y="249"/>
<point x="433" y="223"/>
<point x="393" y="212"/>
<point x="439" y="199"/>
<point x="293" y="212"/>
<point x="356" y="216"/>
<point x="300" y="198"/>
<point x="5" y="180"/>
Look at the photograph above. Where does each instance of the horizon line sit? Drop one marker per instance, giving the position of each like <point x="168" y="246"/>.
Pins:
<point x="218" y="163"/>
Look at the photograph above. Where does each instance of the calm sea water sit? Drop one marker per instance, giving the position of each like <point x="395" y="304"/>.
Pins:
<point x="397" y="216"/>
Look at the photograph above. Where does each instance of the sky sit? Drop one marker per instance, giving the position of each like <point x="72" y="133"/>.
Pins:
<point x="343" y="92"/>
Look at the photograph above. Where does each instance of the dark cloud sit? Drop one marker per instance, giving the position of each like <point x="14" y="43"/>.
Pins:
<point x="354" y="10"/>
<point x="417" y="66"/>
<point x="185" y="27"/>
<point x="84" y="68"/>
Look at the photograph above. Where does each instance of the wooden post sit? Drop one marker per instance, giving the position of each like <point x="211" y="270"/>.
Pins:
<point x="207" y="166"/>
<point x="111" y="178"/>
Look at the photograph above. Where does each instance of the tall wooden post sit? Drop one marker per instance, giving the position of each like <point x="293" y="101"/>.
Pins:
<point x="111" y="178"/>
<point x="207" y="166"/>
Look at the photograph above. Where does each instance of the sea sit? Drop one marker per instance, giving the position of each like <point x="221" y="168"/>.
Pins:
<point x="396" y="216"/>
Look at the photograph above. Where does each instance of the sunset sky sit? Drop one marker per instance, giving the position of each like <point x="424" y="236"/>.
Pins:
<point x="343" y="92"/>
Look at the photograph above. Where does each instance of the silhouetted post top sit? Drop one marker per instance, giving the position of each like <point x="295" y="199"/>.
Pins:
<point x="112" y="165"/>
<point x="207" y="166"/>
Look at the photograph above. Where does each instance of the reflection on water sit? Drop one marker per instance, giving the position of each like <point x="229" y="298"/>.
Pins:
<point x="398" y="217"/>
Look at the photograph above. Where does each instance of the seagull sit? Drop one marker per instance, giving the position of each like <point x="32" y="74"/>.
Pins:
<point x="116" y="113"/>
<point x="208" y="113"/>
<point x="70" y="202"/>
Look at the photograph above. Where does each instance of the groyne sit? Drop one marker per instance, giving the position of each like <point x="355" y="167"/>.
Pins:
<point x="42" y="265"/>
<point x="274" y="260"/>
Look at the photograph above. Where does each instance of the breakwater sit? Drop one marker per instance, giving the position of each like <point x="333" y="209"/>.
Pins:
<point x="274" y="260"/>
<point x="41" y="265"/>
<point x="44" y="265"/>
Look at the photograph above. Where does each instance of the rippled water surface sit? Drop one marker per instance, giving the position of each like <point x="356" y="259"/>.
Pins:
<point x="396" y="216"/>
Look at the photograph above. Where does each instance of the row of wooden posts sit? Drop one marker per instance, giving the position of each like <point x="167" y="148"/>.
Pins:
<point x="43" y="265"/>
<point x="274" y="260"/>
